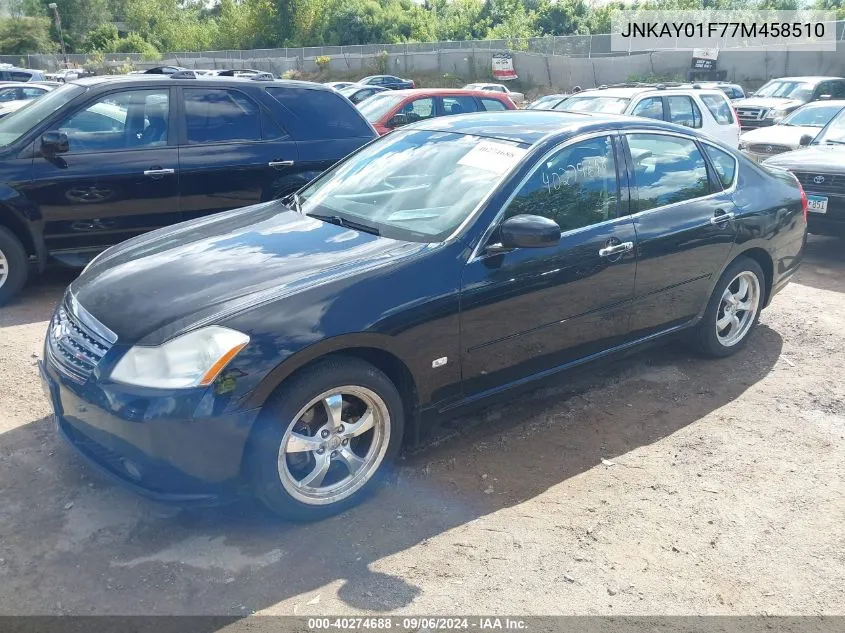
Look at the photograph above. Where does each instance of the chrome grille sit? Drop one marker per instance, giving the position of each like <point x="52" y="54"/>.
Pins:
<point x="75" y="348"/>
<point x="768" y="149"/>
<point x="751" y="114"/>
<point x="822" y="183"/>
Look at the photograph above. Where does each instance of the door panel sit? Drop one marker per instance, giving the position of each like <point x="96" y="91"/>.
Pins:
<point x="530" y="310"/>
<point x="681" y="244"/>
<point x="119" y="177"/>
<point x="224" y="161"/>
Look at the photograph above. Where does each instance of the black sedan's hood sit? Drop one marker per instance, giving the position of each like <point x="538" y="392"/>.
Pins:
<point x="157" y="285"/>
<point x="823" y="158"/>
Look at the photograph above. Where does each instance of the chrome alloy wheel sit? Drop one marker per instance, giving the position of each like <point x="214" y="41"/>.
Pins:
<point x="4" y="269"/>
<point x="335" y="445"/>
<point x="738" y="308"/>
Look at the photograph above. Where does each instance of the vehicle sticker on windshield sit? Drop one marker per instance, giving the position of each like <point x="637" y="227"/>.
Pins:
<point x="495" y="157"/>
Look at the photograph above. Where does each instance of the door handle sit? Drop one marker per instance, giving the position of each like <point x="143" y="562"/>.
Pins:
<point x="280" y="163"/>
<point x="158" y="173"/>
<point x="623" y="247"/>
<point x="720" y="217"/>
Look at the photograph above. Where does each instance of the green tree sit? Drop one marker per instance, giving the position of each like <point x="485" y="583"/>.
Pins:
<point x="103" y="38"/>
<point x="21" y="35"/>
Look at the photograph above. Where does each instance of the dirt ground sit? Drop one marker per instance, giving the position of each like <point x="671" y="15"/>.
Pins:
<point x="658" y="484"/>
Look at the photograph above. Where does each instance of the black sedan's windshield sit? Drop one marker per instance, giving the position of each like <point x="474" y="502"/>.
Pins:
<point x="415" y="185"/>
<point x="17" y="124"/>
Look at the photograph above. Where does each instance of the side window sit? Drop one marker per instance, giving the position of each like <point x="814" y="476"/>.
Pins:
<point x="123" y="120"/>
<point x="32" y="93"/>
<point x="19" y="76"/>
<point x="418" y="110"/>
<point x="822" y="89"/>
<point x="492" y="105"/>
<point x="837" y="89"/>
<point x="320" y="114"/>
<point x="723" y="163"/>
<point x="719" y="108"/>
<point x="650" y="108"/>
<point x="667" y="169"/>
<point x="575" y="187"/>
<point x="459" y="105"/>
<point x="683" y="111"/>
<point x="214" y="115"/>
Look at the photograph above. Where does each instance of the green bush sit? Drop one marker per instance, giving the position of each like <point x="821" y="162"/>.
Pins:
<point x="381" y="61"/>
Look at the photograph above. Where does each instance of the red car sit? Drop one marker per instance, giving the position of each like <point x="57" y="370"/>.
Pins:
<point x="390" y="110"/>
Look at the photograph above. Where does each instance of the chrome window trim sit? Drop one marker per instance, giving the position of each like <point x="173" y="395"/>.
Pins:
<point x="476" y="255"/>
<point x="732" y="187"/>
<point x="729" y="190"/>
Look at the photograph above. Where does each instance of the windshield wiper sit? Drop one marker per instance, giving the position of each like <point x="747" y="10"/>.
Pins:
<point x="336" y="219"/>
<point x="833" y="142"/>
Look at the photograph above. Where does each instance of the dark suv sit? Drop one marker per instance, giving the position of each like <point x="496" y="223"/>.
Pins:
<point x="100" y="160"/>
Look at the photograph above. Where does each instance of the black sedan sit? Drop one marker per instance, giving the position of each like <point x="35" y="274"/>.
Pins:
<point x="820" y="166"/>
<point x="388" y="81"/>
<point x="293" y="346"/>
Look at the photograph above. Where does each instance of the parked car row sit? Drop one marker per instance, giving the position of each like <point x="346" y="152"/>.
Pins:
<point x="274" y="299"/>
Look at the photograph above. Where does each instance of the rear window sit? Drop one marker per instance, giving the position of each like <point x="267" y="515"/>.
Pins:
<point x="321" y="114"/>
<point x="459" y="105"/>
<point x="719" y="108"/>
<point x="723" y="163"/>
<point x="492" y="105"/>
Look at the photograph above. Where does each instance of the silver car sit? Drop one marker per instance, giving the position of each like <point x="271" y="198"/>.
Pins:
<point x="786" y="134"/>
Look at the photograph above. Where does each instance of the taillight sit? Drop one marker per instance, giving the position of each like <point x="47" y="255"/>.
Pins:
<point x="803" y="201"/>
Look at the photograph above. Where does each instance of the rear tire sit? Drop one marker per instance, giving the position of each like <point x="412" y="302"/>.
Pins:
<point x="733" y="310"/>
<point x="14" y="265"/>
<point x="325" y="439"/>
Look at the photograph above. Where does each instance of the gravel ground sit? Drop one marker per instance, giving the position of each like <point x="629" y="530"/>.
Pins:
<point x="658" y="484"/>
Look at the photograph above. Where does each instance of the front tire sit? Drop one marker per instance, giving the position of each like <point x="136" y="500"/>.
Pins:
<point x="14" y="267"/>
<point x="733" y="310"/>
<point x="325" y="438"/>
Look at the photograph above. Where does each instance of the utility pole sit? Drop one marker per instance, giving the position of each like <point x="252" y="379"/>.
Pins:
<point x="55" y="9"/>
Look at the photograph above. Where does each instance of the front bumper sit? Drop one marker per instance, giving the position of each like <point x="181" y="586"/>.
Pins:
<point x="130" y="437"/>
<point x="831" y="223"/>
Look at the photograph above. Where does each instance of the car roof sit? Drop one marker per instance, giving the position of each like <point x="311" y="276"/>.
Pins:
<point x="205" y="81"/>
<point x="532" y="126"/>
<point x="440" y="92"/>
<point x="807" y="79"/>
<point x="628" y="92"/>
<point x="820" y="104"/>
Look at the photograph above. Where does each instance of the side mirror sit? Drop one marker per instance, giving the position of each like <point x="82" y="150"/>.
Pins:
<point x="398" y="120"/>
<point x="53" y="143"/>
<point x="806" y="139"/>
<point x="528" y="231"/>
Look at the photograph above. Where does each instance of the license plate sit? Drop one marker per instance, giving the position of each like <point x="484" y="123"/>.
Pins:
<point x="817" y="204"/>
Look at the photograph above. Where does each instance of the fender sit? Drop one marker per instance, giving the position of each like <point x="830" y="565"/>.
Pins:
<point x="21" y="223"/>
<point x="369" y="340"/>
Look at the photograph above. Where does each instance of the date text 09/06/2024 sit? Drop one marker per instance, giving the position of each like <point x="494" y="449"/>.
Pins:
<point x="418" y="623"/>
